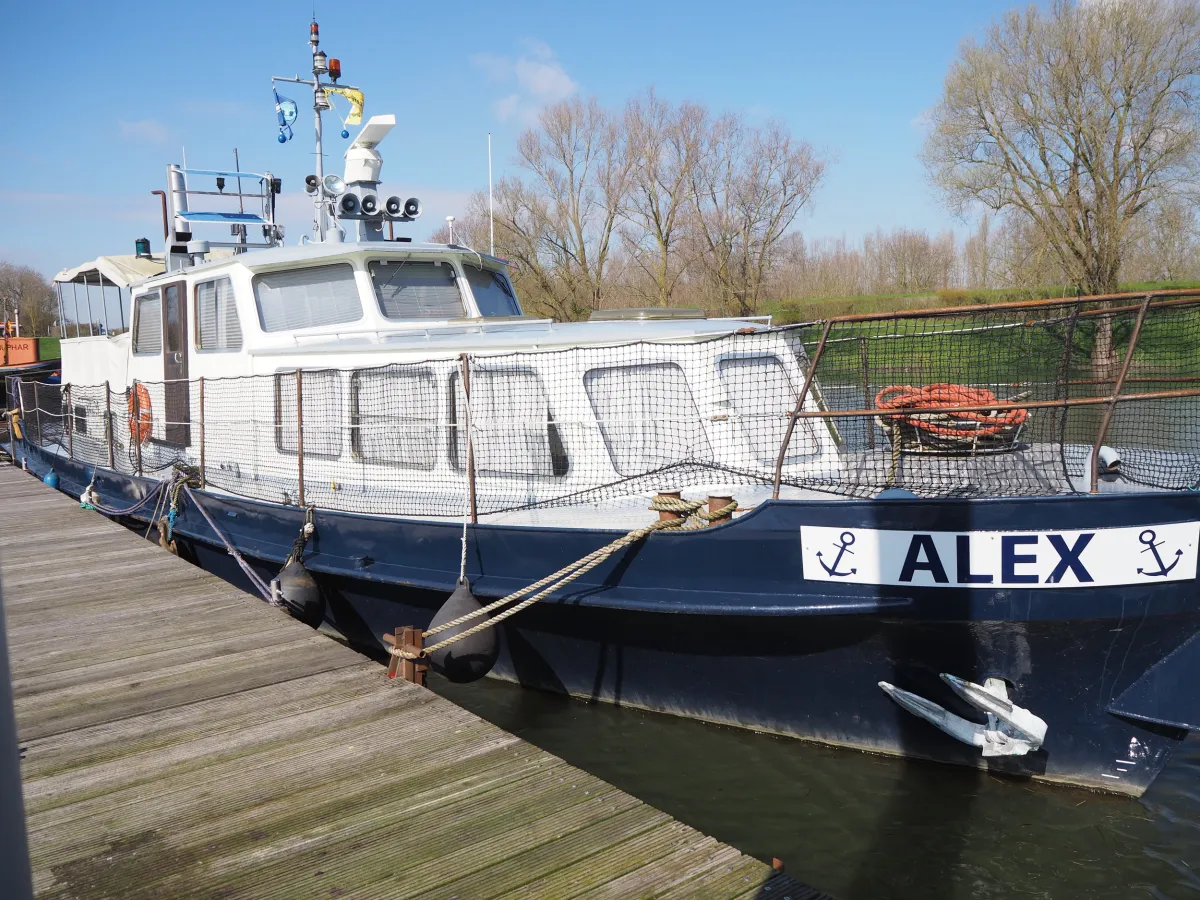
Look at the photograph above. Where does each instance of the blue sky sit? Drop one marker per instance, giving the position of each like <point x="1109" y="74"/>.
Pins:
<point x="108" y="95"/>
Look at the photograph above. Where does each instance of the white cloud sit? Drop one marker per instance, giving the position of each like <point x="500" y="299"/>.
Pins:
<point x="145" y="130"/>
<point x="922" y="121"/>
<point x="538" y="78"/>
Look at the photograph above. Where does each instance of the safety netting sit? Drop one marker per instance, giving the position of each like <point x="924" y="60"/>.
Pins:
<point x="995" y="401"/>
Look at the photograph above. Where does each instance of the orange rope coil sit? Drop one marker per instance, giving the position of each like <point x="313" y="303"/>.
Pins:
<point x="941" y="396"/>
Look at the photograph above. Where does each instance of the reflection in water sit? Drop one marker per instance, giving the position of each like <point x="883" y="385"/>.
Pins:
<point x="865" y="827"/>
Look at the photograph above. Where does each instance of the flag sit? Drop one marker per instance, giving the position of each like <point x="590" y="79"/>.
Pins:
<point x="286" y="112"/>
<point x="356" y="103"/>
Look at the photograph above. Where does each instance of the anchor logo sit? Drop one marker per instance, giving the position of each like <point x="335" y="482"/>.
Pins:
<point x="847" y="540"/>
<point x="1147" y="537"/>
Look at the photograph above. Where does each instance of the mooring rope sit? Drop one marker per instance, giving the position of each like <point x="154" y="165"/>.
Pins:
<point x="569" y="573"/>
<point x="233" y="551"/>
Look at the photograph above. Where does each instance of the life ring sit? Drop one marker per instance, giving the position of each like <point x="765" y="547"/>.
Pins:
<point x="140" y="417"/>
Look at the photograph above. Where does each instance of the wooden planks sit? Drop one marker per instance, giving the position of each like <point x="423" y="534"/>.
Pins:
<point x="182" y="739"/>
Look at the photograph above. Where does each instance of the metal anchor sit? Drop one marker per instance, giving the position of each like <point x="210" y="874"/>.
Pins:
<point x="1147" y="537"/>
<point x="1010" y="729"/>
<point x="847" y="539"/>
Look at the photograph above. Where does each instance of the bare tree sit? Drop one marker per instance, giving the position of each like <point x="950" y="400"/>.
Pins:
<point x="28" y="292"/>
<point x="663" y="142"/>
<point x="748" y="186"/>
<point x="1078" y="117"/>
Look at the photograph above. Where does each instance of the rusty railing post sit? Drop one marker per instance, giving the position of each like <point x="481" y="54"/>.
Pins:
<point x="135" y="430"/>
<point x="108" y="426"/>
<point x="203" y="480"/>
<point x="808" y="380"/>
<point x="1116" y="393"/>
<point x="300" y="433"/>
<point x="465" y="360"/>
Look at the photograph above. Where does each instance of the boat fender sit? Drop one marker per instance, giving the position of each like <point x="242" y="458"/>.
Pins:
<point x="301" y="594"/>
<point x="1166" y="694"/>
<point x="472" y="657"/>
<point x="51" y="479"/>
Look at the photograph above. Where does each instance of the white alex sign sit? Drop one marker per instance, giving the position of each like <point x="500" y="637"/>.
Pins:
<point x="1094" y="557"/>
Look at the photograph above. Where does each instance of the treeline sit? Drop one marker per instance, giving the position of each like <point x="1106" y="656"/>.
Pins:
<point x="26" y="291"/>
<point x="668" y="205"/>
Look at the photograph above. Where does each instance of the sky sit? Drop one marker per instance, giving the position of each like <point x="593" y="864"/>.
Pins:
<point x="106" y="96"/>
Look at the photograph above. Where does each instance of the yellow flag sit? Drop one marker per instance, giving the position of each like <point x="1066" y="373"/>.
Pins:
<point x="356" y="103"/>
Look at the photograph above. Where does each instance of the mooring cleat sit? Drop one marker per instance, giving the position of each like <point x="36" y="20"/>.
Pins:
<point x="1010" y="730"/>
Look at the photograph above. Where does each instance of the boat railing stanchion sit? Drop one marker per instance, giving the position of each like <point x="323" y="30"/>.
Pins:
<point x="465" y="359"/>
<point x="791" y="426"/>
<point x="203" y="481"/>
<point x="1118" y="386"/>
<point x="866" y="377"/>
<point x="300" y="434"/>
<point x="69" y="419"/>
<point x="136" y="430"/>
<point x="108" y="425"/>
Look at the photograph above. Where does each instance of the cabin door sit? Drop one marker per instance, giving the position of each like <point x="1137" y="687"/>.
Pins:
<point x="177" y="391"/>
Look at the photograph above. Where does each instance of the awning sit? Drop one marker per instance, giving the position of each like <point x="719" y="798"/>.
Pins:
<point x="121" y="271"/>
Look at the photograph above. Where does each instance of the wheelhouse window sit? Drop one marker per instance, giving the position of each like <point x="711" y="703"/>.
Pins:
<point x="322" y="413"/>
<point x="394" y="416"/>
<point x="217" y="325"/>
<point x="415" y="289"/>
<point x="306" y="298"/>
<point x="512" y="427"/>
<point x="763" y="396"/>
<point x="493" y="293"/>
<point x="647" y="416"/>
<point x="147" y="323"/>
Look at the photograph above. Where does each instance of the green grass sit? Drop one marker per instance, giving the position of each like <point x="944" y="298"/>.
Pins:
<point x="788" y="311"/>
<point x="49" y="348"/>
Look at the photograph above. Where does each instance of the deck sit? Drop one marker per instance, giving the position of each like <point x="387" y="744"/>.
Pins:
<point x="182" y="739"/>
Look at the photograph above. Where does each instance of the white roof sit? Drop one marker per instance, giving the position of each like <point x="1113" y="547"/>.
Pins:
<point x="119" y="270"/>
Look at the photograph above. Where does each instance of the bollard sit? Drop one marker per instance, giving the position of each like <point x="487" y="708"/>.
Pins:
<point x="715" y="505"/>
<point x="666" y="515"/>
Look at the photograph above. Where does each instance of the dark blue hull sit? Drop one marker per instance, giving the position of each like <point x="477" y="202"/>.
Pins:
<point x="720" y="625"/>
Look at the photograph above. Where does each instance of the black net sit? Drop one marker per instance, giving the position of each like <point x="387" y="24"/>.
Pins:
<point x="1003" y="401"/>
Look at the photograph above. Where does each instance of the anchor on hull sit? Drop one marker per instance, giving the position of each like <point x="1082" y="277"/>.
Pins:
<point x="1010" y="730"/>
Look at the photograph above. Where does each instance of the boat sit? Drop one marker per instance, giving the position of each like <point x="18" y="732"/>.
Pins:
<point x="966" y="535"/>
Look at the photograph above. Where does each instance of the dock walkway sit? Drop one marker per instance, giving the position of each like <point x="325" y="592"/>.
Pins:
<point x="182" y="739"/>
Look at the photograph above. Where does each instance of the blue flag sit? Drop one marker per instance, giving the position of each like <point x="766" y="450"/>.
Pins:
<point x="286" y="112"/>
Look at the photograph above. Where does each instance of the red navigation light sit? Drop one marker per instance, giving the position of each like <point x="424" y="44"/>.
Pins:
<point x="335" y="69"/>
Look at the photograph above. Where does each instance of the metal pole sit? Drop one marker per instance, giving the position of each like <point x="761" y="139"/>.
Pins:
<point x="300" y="431"/>
<point x="87" y="292"/>
<point x="491" y="214"/>
<point x="866" y="374"/>
<point x="14" y="849"/>
<point x="203" y="481"/>
<point x="108" y="426"/>
<point x="1116" y="392"/>
<point x="466" y="379"/>
<point x="69" y="415"/>
<point x="808" y="380"/>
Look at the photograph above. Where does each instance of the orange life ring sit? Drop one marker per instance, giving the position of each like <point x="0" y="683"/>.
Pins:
<point x="140" y="417"/>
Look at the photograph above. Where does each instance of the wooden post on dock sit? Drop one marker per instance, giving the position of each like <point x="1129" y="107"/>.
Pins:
<point x="300" y="432"/>
<point x="470" y="466"/>
<point x="411" y="670"/>
<point x="108" y="426"/>
<point x="203" y="481"/>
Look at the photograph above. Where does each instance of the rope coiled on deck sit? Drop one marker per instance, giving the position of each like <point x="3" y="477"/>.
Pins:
<point x="567" y="574"/>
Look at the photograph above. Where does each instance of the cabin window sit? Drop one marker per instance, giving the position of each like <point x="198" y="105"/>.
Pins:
<point x="493" y="294"/>
<point x="306" y="298"/>
<point x="408" y="289"/>
<point x="322" y="413"/>
<point x="394" y="420"/>
<point x="147" y="323"/>
<point x="760" y="391"/>
<point x="512" y="427"/>
<point x="217" y="325"/>
<point x="647" y="416"/>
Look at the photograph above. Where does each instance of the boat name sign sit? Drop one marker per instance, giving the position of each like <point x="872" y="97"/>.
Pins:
<point x="1096" y="557"/>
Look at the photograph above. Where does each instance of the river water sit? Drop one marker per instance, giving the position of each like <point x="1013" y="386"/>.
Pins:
<point x="865" y="827"/>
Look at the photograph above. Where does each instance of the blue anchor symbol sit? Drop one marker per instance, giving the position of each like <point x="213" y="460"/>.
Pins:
<point x="1147" y="537"/>
<point x="843" y="549"/>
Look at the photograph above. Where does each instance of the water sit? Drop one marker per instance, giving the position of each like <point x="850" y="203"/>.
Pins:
<point x="864" y="827"/>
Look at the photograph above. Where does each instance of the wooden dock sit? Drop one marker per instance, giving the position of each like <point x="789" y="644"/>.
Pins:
<point x="182" y="739"/>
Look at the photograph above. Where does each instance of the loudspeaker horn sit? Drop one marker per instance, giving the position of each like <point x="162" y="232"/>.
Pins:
<point x="348" y="204"/>
<point x="369" y="204"/>
<point x="412" y="207"/>
<point x="394" y="207"/>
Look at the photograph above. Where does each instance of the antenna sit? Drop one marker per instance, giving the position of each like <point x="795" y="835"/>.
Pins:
<point x="491" y="214"/>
